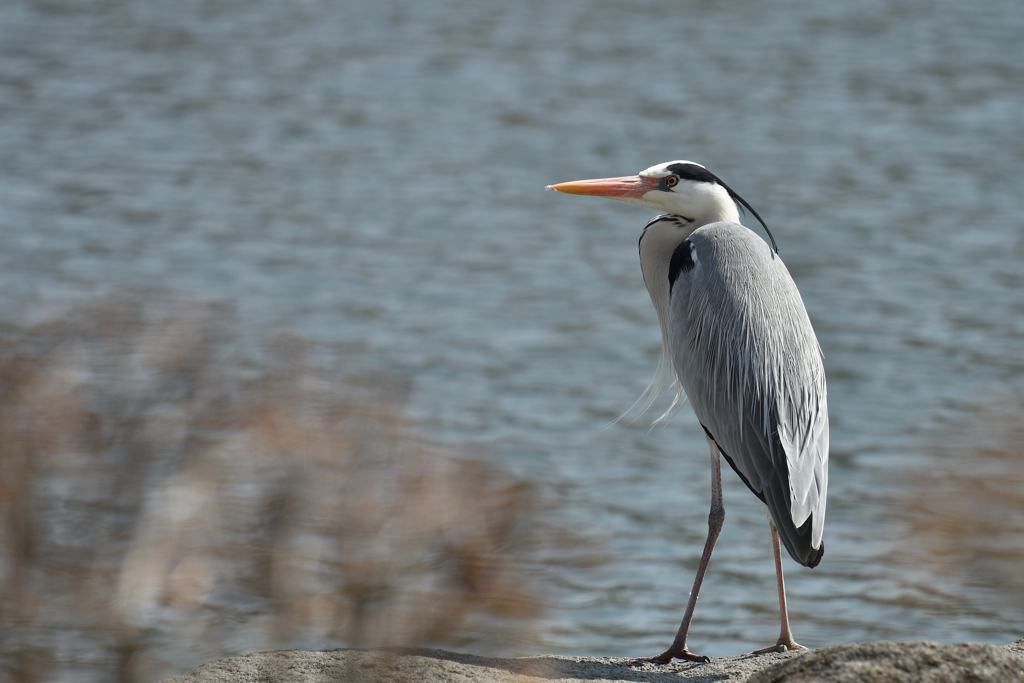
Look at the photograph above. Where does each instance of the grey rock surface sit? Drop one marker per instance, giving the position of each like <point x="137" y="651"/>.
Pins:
<point x="894" y="662"/>
<point x="408" y="665"/>
<point x="861" y="662"/>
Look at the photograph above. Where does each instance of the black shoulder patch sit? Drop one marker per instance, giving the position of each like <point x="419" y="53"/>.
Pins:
<point x="681" y="262"/>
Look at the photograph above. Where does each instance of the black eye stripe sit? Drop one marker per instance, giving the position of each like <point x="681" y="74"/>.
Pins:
<point x="693" y="172"/>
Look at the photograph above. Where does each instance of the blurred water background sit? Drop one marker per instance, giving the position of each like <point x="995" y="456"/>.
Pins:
<point x="296" y="351"/>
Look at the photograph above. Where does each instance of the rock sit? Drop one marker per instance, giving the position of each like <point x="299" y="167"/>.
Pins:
<point x="403" y="665"/>
<point x="861" y="662"/>
<point x="890" y="662"/>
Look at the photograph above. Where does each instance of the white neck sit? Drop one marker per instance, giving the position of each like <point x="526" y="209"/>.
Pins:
<point x="724" y="210"/>
<point x="711" y="204"/>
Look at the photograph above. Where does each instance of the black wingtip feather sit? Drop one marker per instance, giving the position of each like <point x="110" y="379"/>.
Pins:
<point x="775" y="495"/>
<point x="813" y="562"/>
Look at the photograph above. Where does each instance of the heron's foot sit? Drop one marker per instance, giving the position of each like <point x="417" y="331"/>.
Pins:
<point x="670" y="654"/>
<point x="781" y="646"/>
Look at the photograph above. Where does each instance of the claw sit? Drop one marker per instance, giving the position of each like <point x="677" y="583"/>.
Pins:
<point x="779" y="647"/>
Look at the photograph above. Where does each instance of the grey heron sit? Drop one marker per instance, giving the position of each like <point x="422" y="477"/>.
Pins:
<point x="735" y="330"/>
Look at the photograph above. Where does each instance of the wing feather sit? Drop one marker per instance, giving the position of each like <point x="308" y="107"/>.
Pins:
<point x="746" y="355"/>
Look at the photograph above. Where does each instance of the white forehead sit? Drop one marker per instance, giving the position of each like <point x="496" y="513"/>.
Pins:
<point x="662" y="170"/>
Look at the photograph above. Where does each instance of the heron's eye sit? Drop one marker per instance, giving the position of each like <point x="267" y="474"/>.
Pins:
<point x="671" y="181"/>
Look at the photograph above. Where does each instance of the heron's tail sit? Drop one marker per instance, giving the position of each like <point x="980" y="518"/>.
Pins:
<point x="796" y="539"/>
<point x="775" y="495"/>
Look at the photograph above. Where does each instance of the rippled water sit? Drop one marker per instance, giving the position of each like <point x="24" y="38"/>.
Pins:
<point x="374" y="173"/>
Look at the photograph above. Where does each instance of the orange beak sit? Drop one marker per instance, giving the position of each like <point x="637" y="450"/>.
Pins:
<point x="628" y="186"/>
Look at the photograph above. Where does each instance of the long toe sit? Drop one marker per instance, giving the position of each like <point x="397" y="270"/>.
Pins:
<point x="668" y="655"/>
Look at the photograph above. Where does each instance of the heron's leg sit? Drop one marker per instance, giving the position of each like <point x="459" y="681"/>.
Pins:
<point x="715" y="518"/>
<point x="785" y="641"/>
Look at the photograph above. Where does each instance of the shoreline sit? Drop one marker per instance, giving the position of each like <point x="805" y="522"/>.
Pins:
<point x="877" y="661"/>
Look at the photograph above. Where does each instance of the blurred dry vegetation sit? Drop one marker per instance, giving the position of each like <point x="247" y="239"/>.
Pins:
<point x="171" y="492"/>
<point x="965" y="510"/>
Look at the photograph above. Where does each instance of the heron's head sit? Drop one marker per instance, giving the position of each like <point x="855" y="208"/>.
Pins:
<point x="681" y="188"/>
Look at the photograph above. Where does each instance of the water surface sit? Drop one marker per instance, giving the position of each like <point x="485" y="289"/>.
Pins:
<point x="373" y="173"/>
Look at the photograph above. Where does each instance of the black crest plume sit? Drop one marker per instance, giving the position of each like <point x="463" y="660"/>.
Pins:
<point x="701" y="174"/>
